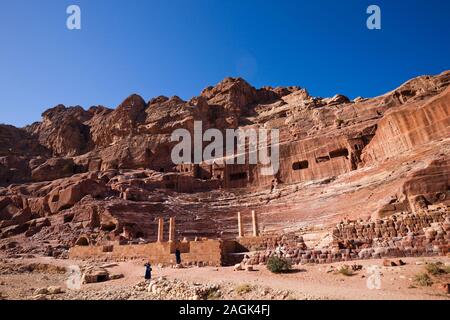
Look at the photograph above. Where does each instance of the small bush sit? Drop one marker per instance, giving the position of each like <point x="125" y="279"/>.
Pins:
<point x="243" y="288"/>
<point x="433" y="268"/>
<point x="423" y="279"/>
<point x="346" y="271"/>
<point x="213" y="294"/>
<point x="278" y="265"/>
<point x="437" y="268"/>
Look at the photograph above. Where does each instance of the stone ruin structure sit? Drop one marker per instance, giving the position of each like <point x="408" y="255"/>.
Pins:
<point x="401" y="235"/>
<point x="212" y="252"/>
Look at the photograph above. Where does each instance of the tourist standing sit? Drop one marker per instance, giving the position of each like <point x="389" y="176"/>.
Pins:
<point x="178" y="256"/>
<point x="148" y="271"/>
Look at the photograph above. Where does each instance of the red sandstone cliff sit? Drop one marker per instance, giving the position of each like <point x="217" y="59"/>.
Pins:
<point x="108" y="173"/>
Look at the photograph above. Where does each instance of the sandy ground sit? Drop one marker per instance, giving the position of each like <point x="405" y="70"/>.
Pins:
<point x="304" y="282"/>
<point x="316" y="282"/>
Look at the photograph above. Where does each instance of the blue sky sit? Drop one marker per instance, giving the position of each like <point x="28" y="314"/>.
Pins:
<point x="178" y="47"/>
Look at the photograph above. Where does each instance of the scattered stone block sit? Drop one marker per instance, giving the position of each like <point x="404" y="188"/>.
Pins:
<point x="238" y="267"/>
<point x="95" y="274"/>
<point x="54" y="290"/>
<point x="40" y="291"/>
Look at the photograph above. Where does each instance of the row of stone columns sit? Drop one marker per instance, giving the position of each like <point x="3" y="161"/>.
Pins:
<point x="171" y="229"/>
<point x="254" y="225"/>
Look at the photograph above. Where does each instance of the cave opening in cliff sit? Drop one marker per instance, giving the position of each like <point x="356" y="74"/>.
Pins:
<point x="300" y="165"/>
<point x="339" y="153"/>
<point x="68" y="217"/>
<point x="108" y="248"/>
<point x="238" y="176"/>
<point x="170" y="185"/>
<point x="102" y="278"/>
<point x="108" y="226"/>
<point x="139" y="234"/>
<point x="82" y="241"/>
<point x="322" y="159"/>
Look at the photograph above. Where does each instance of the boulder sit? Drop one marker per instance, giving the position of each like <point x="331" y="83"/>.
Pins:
<point x="60" y="199"/>
<point x="41" y="291"/>
<point x="22" y="216"/>
<point x="53" y="169"/>
<point x="94" y="275"/>
<point x="39" y="297"/>
<point x="54" y="290"/>
<point x="238" y="267"/>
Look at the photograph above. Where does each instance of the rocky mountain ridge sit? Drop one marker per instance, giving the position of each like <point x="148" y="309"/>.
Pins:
<point x="108" y="173"/>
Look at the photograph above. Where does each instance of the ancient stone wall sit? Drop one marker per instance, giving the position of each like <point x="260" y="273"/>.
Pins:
<point x="401" y="235"/>
<point x="398" y="225"/>
<point x="270" y="242"/>
<point x="206" y="252"/>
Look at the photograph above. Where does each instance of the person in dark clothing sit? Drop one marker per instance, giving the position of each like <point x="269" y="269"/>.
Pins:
<point x="148" y="271"/>
<point x="178" y="256"/>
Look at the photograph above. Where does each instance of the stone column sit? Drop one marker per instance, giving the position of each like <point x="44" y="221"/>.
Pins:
<point x="160" y="230"/>
<point x="255" y="224"/>
<point x="172" y="229"/>
<point x="240" y="226"/>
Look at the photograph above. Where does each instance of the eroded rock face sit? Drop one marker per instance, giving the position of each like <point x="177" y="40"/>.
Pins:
<point x="16" y="141"/>
<point x="408" y="126"/>
<point x="429" y="186"/>
<point x="106" y="174"/>
<point x="63" y="131"/>
<point x="121" y="122"/>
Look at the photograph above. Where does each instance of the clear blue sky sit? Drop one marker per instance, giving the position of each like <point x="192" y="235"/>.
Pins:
<point x="168" y="47"/>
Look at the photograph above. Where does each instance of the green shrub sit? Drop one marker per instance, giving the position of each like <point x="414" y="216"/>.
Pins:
<point x="437" y="268"/>
<point x="243" y="288"/>
<point x="433" y="268"/>
<point x="346" y="271"/>
<point x="423" y="279"/>
<point x="278" y="265"/>
<point x="213" y="294"/>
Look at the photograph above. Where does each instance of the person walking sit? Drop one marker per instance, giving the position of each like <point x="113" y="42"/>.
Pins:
<point x="148" y="271"/>
<point x="178" y="256"/>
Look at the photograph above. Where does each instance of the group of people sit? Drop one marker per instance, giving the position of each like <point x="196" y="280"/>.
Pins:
<point x="148" y="266"/>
